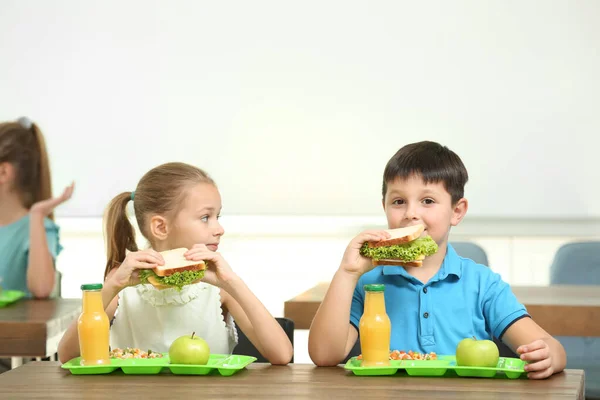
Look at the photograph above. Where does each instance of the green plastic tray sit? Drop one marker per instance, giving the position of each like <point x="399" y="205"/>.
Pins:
<point x="10" y="296"/>
<point x="226" y="365"/>
<point x="511" y="368"/>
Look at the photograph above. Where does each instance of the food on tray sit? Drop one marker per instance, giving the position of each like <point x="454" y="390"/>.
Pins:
<point x="471" y="352"/>
<point x="411" y="355"/>
<point x="189" y="349"/>
<point x="130" y="352"/>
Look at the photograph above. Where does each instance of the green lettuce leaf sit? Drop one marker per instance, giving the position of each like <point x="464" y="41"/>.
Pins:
<point x="407" y="251"/>
<point x="177" y="280"/>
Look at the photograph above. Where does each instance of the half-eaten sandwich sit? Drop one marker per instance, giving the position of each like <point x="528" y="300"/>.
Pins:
<point x="406" y="247"/>
<point x="177" y="271"/>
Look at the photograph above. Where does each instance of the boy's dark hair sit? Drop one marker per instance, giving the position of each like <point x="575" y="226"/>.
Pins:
<point x="432" y="162"/>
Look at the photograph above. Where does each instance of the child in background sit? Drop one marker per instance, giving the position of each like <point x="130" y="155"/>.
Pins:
<point x="29" y="241"/>
<point x="176" y="205"/>
<point x="448" y="298"/>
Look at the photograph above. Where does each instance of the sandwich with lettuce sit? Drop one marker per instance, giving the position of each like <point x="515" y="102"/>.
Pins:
<point x="406" y="247"/>
<point x="175" y="273"/>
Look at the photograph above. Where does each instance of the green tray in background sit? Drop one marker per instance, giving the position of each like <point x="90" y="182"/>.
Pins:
<point x="511" y="368"/>
<point x="225" y="364"/>
<point x="10" y="296"/>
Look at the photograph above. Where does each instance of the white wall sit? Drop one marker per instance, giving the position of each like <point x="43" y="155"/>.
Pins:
<point x="294" y="108"/>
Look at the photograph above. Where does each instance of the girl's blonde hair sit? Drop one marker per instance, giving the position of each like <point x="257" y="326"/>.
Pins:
<point x="161" y="191"/>
<point x="22" y="144"/>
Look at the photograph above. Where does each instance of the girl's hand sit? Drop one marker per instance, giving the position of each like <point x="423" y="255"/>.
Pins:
<point x="218" y="271"/>
<point x="127" y="273"/>
<point x="45" y="207"/>
<point x="353" y="262"/>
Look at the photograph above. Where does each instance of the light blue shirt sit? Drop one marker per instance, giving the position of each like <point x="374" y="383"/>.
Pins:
<point x="14" y="252"/>
<point x="462" y="300"/>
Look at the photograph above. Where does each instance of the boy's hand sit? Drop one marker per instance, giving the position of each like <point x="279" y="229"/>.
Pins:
<point x="537" y="354"/>
<point x="353" y="262"/>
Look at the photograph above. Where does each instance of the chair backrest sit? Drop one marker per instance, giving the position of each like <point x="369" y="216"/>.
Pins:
<point x="246" y="348"/>
<point x="472" y="251"/>
<point x="56" y="291"/>
<point x="576" y="263"/>
<point x="354" y="351"/>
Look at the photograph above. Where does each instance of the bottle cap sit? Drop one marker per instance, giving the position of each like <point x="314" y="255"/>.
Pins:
<point x="91" y="286"/>
<point x="374" y="287"/>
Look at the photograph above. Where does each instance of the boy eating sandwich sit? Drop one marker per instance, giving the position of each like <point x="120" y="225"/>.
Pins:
<point x="434" y="302"/>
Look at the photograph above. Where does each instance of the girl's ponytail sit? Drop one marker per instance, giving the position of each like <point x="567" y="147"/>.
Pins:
<point x="44" y="185"/>
<point x="22" y="144"/>
<point x="119" y="233"/>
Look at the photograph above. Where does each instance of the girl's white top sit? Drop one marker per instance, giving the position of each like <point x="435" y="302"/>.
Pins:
<point x="148" y="318"/>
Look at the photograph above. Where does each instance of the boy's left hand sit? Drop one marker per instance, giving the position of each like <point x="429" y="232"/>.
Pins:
<point x="218" y="271"/>
<point x="537" y="355"/>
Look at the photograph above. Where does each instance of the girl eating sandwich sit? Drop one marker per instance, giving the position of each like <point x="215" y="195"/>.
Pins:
<point x="177" y="210"/>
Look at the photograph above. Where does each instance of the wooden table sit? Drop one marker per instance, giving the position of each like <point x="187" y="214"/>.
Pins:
<point x="33" y="328"/>
<point x="562" y="310"/>
<point x="262" y="381"/>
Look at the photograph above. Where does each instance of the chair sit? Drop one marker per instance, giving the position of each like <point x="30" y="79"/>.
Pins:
<point x="578" y="263"/>
<point x="56" y="291"/>
<point x="354" y="351"/>
<point x="472" y="251"/>
<point x="246" y="348"/>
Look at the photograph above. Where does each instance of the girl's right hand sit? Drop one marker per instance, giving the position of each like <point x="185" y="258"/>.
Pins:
<point x="353" y="262"/>
<point x="127" y="273"/>
<point x="45" y="207"/>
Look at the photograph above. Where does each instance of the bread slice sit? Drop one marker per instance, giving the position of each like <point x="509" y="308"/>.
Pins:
<point x="400" y="235"/>
<point x="176" y="262"/>
<point x="400" y="263"/>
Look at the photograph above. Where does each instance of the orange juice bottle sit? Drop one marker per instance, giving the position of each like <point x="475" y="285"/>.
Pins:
<point x="93" y="327"/>
<point x="375" y="328"/>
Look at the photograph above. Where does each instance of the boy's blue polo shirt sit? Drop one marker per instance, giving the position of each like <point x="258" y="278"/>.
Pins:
<point x="464" y="299"/>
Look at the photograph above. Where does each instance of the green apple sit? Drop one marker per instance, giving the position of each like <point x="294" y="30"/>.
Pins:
<point x="189" y="350"/>
<point x="471" y="352"/>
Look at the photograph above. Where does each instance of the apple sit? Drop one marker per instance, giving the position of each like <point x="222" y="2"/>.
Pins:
<point x="471" y="352"/>
<point x="189" y="350"/>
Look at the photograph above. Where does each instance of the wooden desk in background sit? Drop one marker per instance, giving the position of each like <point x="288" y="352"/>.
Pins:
<point x="261" y="381"/>
<point x="562" y="310"/>
<point x="33" y="328"/>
